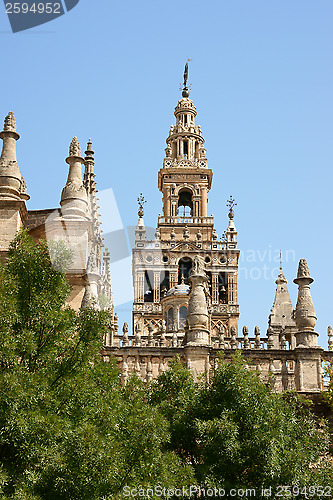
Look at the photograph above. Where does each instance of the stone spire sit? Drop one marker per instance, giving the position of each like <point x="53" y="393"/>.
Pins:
<point x="74" y="197"/>
<point x="10" y="175"/>
<point x="90" y="186"/>
<point x="305" y="316"/>
<point x="281" y="316"/>
<point x="89" y="174"/>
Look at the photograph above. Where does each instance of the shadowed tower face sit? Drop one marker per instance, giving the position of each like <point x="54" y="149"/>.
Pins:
<point x="161" y="268"/>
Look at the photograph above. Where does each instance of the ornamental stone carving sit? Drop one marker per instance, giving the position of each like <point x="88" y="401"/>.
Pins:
<point x="75" y="148"/>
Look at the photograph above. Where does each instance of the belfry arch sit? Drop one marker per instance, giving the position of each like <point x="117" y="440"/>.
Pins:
<point x="185" y="202"/>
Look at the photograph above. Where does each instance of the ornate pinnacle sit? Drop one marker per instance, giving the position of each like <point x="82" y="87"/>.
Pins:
<point x="304" y="314"/>
<point x="141" y="202"/>
<point x="10" y="123"/>
<point x="231" y="204"/>
<point x="89" y="153"/>
<point x="75" y="148"/>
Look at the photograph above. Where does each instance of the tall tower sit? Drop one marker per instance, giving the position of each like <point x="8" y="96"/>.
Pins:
<point x="161" y="267"/>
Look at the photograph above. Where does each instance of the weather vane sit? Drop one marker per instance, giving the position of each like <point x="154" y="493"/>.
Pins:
<point x="141" y="202"/>
<point x="183" y="87"/>
<point x="231" y="204"/>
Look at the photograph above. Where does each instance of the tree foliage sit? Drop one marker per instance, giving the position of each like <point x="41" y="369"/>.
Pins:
<point x="238" y="434"/>
<point x="68" y="430"/>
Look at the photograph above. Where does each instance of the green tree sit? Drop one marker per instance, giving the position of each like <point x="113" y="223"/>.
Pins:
<point x="237" y="433"/>
<point x="68" y="430"/>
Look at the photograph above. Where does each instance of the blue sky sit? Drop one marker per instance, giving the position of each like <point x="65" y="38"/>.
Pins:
<point x="261" y="75"/>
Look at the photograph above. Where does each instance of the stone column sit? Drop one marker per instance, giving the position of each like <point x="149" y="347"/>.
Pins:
<point x="167" y="202"/>
<point x="215" y="288"/>
<point x="203" y="201"/>
<point x="157" y="280"/>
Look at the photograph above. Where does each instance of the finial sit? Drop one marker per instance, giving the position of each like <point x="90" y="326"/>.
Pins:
<point x="141" y="202"/>
<point x="75" y="148"/>
<point x="281" y="278"/>
<point x="281" y="260"/>
<point x="231" y="204"/>
<point x="10" y="123"/>
<point x="89" y="152"/>
<point x="185" y="92"/>
<point x="303" y="271"/>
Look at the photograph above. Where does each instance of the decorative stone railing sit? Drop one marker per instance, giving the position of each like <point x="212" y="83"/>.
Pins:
<point x="202" y="245"/>
<point x="281" y="368"/>
<point x="185" y="220"/>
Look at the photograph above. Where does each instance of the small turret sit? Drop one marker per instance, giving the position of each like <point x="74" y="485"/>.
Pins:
<point x="305" y="316"/>
<point x="74" y="200"/>
<point x="10" y="175"/>
<point x="231" y="232"/>
<point x="13" y="189"/>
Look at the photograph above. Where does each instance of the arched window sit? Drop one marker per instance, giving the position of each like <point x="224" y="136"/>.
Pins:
<point x="184" y="269"/>
<point x="182" y="317"/>
<point x="223" y="288"/>
<point x="170" y="319"/>
<point x="185" y="203"/>
<point x="148" y="289"/>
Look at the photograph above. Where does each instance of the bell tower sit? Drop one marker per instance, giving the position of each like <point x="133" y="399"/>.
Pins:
<point x="161" y="267"/>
